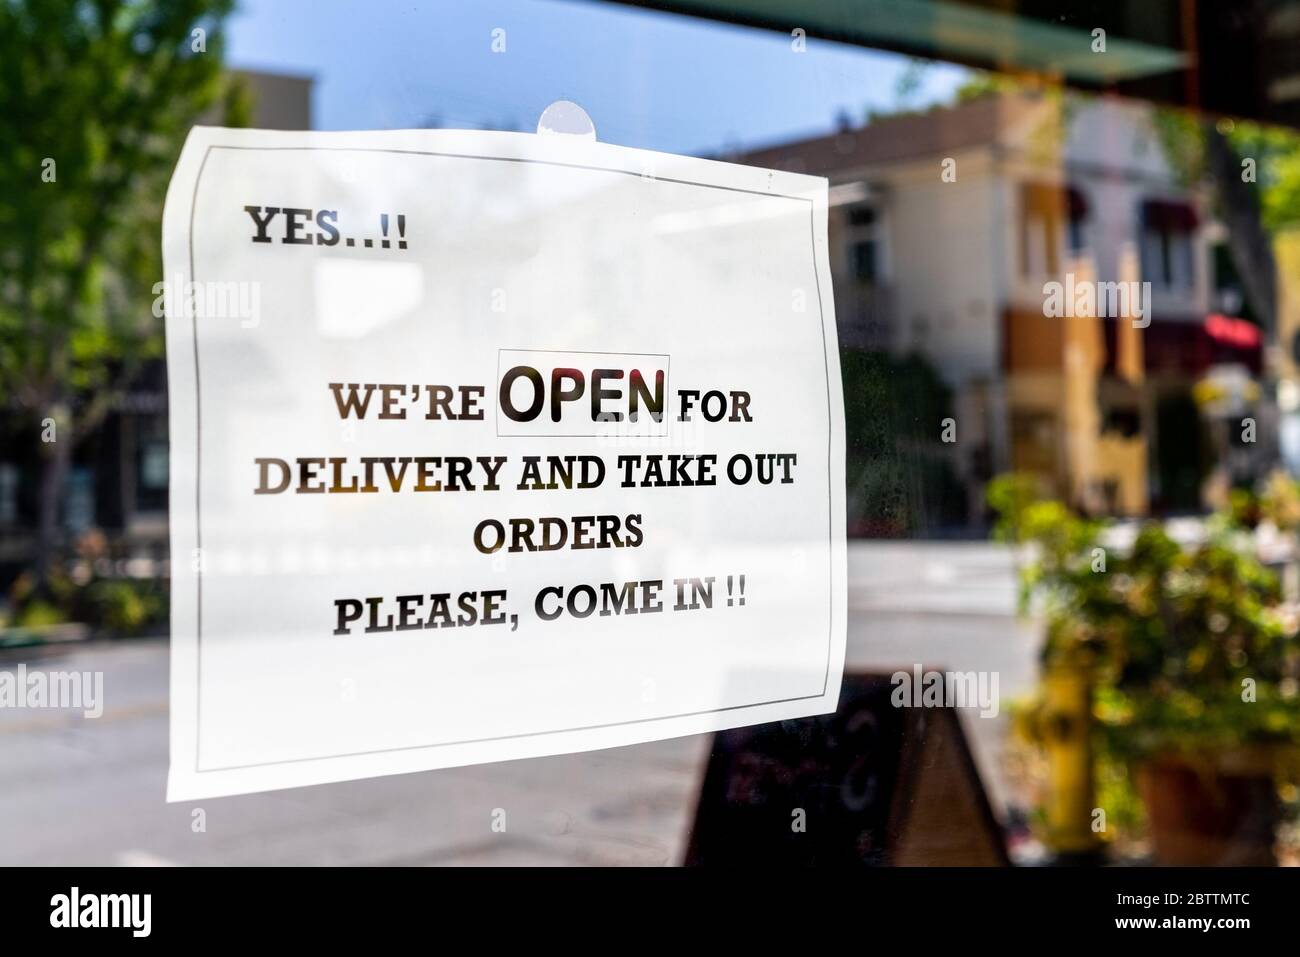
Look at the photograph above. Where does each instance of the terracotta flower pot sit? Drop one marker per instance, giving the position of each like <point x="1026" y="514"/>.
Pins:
<point x="1211" y="809"/>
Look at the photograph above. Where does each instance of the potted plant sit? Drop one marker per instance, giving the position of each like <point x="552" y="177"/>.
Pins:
<point x="1193" y="660"/>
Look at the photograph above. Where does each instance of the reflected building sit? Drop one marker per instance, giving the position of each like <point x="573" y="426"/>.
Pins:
<point x="1009" y="241"/>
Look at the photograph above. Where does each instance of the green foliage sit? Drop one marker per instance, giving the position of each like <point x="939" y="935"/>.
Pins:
<point x="123" y="606"/>
<point x="1010" y="496"/>
<point x="1276" y="152"/>
<point x="900" y="479"/>
<point x="107" y="91"/>
<point x="1182" y="142"/>
<point x="1115" y="791"/>
<point x="1277" y="502"/>
<point x="1061" y="576"/>
<point x="39" y="614"/>
<point x="1173" y="634"/>
<point x="985" y="82"/>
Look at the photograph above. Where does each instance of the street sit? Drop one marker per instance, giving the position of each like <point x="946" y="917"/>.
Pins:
<point x="90" y="792"/>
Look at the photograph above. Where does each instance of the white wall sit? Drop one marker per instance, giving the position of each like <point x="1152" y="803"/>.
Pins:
<point x="945" y="265"/>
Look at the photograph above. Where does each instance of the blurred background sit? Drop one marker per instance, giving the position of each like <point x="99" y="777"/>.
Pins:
<point x="1065" y="241"/>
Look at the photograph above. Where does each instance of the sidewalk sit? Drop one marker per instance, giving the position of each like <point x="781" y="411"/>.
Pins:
<point x="74" y="791"/>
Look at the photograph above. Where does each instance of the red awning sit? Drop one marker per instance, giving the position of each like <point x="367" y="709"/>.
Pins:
<point x="1233" y="332"/>
<point x="1169" y="215"/>
<point x="1183" y="345"/>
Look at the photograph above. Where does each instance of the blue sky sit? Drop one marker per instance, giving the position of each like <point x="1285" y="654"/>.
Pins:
<point x="647" y="79"/>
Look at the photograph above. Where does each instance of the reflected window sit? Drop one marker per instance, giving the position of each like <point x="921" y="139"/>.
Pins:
<point x="1076" y="222"/>
<point x="1049" y="216"/>
<point x="1040" y="227"/>
<point x="1167" y="232"/>
<point x="151" y="464"/>
<point x="8" y="494"/>
<point x="863" y="240"/>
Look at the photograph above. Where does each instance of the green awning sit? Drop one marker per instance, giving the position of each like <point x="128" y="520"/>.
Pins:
<point x="950" y="31"/>
<point x="1218" y="57"/>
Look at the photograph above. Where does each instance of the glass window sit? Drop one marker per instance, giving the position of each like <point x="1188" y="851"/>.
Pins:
<point x="1006" y="184"/>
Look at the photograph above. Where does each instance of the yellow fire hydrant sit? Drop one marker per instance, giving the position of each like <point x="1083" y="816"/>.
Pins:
<point x="1064" y="726"/>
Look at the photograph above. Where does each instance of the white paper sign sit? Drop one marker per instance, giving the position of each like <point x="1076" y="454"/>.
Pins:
<point x="488" y="446"/>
